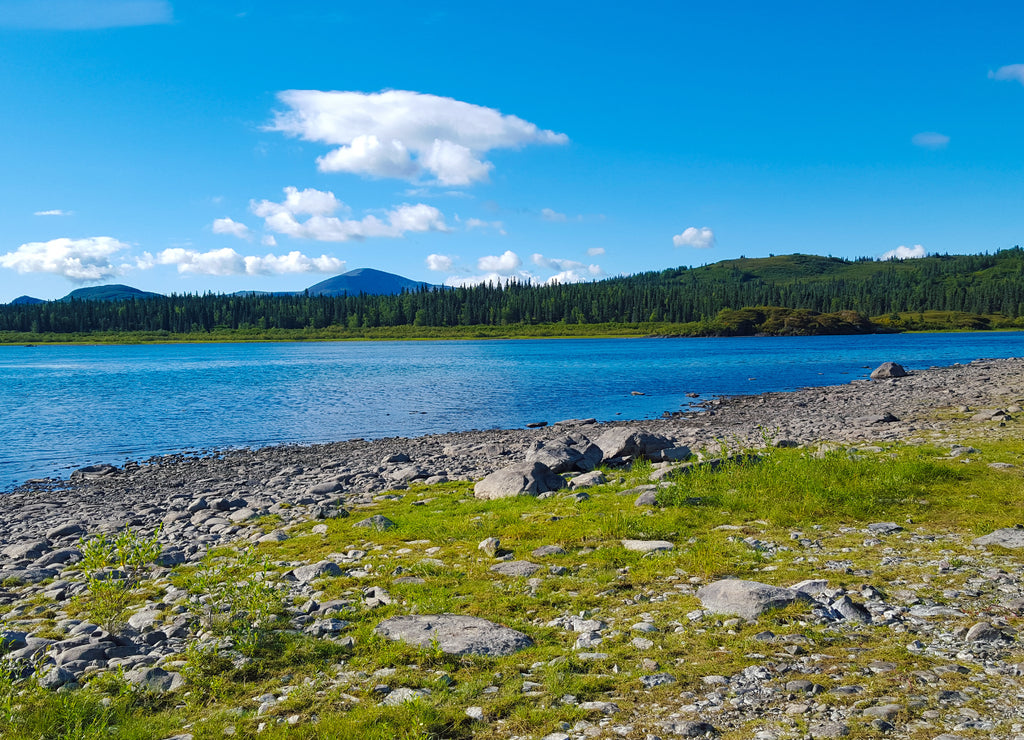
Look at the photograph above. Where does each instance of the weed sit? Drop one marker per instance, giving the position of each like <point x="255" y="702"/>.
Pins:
<point x="113" y="569"/>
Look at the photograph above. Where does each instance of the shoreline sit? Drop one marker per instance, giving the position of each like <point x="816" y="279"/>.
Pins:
<point x="927" y="402"/>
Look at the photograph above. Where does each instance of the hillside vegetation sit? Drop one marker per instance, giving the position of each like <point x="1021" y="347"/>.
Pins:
<point x="790" y="294"/>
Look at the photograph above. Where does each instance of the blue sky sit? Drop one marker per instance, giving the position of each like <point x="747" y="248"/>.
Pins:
<point x="183" y="146"/>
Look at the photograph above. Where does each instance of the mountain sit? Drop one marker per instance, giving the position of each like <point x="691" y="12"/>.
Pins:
<point x="26" y="300"/>
<point x="368" y="281"/>
<point x="109" y="293"/>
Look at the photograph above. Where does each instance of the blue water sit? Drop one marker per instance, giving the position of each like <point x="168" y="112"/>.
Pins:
<point x="64" y="407"/>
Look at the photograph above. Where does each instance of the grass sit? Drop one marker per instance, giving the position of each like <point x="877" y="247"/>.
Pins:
<point x="788" y="498"/>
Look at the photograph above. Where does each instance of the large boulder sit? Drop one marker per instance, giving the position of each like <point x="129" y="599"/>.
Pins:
<point x="747" y="599"/>
<point x="888" y="370"/>
<point x="622" y="442"/>
<point x="521" y="479"/>
<point x="1012" y="538"/>
<point x="454" y="634"/>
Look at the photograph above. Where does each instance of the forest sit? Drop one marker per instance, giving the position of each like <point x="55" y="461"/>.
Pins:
<point x="788" y="294"/>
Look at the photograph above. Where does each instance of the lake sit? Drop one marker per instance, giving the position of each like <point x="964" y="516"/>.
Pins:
<point x="65" y="407"/>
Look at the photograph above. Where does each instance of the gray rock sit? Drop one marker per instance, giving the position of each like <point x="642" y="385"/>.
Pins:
<point x="516" y="568"/>
<point x="658" y="679"/>
<point x="984" y="632"/>
<point x="403" y="696"/>
<point x="884" y="528"/>
<point x="888" y="370"/>
<point x="828" y="730"/>
<point x="31" y="549"/>
<point x="65" y="530"/>
<point x="154" y="679"/>
<point x="454" y="634"/>
<point x="1012" y="538"/>
<point x="545" y="550"/>
<point x="647" y="546"/>
<point x="378" y="522"/>
<point x="521" y="479"/>
<point x="630" y="442"/>
<point x="689" y="729"/>
<point x="851" y="611"/>
<point x="647" y="498"/>
<point x="325" y="568"/>
<point x="593" y="478"/>
<point x="747" y="599"/>
<point x="54" y="677"/>
<point x="490" y="546"/>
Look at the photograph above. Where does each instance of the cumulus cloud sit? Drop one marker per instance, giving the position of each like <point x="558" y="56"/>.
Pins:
<point x="229" y="262"/>
<point x="404" y="134"/>
<point x="904" y="253"/>
<point x="232" y="227"/>
<point x="1009" y="72"/>
<point x="503" y="264"/>
<point x="549" y="214"/>
<point x="76" y="15"/>
<point x="440" y="263"/>
<point x="53" y="212"/>
<point x="323" y="226"/>
<point x="595" y="251"/>
<point x="701" y="238"/>
<point x="567" y="271"/>
<point x="81" y="260"/>
<point x="930" y="140"/>
<point x="268" y="240"/>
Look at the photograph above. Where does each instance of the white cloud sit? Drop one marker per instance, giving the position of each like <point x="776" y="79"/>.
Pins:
<point x="568" y="271"/>
<point x="1009" y="72"/>
<point x="595" y="251"/>
<point x="904" y="253"/>
<point x="76" y="15"/>
<point x="229" y="262"/>
<point x="503" y="264"/>
<point x="232" y="227"/>
<point x="478" y="223"/>
<point x="440" y="263"/>
<point x="53" y="212"/>
<point x="930" y="140"/>
<point x="81" y="260"/>
<point x="404" y="134"/>
<point x="701" y="238"/>
<point x="322" y="226"/>
<point x="549" y="214"/>
<point x="268" y="240"/>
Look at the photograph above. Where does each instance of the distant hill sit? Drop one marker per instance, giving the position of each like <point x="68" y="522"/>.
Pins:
<point x="368" y="281"/>
<point x="26" y="300"/>
<point x="109" y="293"/>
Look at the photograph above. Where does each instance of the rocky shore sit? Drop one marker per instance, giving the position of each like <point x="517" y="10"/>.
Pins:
<point x="246" y="497"/>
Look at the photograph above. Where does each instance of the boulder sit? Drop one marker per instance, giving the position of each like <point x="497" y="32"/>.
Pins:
<point x="1012" y="538"/>
<point x="454" y="634"/>
<point x="630" y="442"/>
<point x="521" y="479"/>
<point x="308" y="573"/>
<point x="648" y="546"/>
<point x="516" y="568"/>
<point x="378" y="522"/>
<point x="747" y="599"/>
<point x="888" y="370"/>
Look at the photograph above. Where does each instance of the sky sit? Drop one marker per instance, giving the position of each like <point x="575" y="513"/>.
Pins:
<point x="184" y="146"/>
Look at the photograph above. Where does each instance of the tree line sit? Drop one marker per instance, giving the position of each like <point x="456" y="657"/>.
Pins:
<point x="989" y="284"/>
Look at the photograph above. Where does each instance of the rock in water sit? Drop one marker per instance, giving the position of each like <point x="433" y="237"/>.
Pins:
<point x="888" y="370"/>
<point x="454" y="634"/>
<point x="522" y="479"/>
<point x="747" y="599"/>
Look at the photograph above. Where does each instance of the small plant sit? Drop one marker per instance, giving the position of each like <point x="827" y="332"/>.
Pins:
<point x="240" y="598"/>
<point x="113" y="570"/>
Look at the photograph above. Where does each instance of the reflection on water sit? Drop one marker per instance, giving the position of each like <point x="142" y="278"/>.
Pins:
<point x="69" y="406"/>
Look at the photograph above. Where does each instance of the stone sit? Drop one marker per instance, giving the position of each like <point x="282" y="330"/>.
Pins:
<point x="983" y="632"/>
<point x="378" y="522"/>
<point x="516" y="568"/>
<point x="521" y="479"/>
<point x="647" y="498"/>
<point x="884" y="528"/>
<point x="454" y="634"/>
<point x="593" y="478"/>
<point x="30" y="549"/>
<point x="884" y="711"/>
<point x="325" y="568"/>
<point x="622" y="442"/>
<point x="545" y="550"/>
<point x="1012" y="538"/>
<point x="747" y="599"/>
<point x="828" y="730"/>
<point x="851" y="611"/>
<point x="689" y="729"/>
<point x="490" y="546"/>
<point x="403" y="696"/>
<point x="658" y="679"/>
<point x="154" y="679"/>
<point x="648" y="546"/>
<point x="65" y="530"/>
<point x="888" y="370"/>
